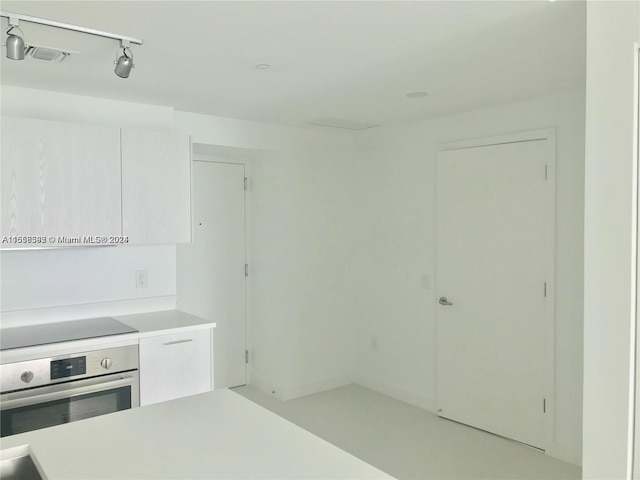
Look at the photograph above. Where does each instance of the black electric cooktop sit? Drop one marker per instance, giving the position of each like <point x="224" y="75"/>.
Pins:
<point x="43" y="334"/>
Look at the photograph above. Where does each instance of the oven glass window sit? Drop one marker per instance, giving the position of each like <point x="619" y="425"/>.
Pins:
<point x="48" y="414"/>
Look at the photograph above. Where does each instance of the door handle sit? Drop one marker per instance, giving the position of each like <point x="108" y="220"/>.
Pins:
<point x="175" y="342"/>
<point x="94" y="387"/>
<point x="444" y="301"/>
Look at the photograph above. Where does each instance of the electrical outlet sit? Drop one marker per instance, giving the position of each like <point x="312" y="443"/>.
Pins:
<point x="141" y="279"/>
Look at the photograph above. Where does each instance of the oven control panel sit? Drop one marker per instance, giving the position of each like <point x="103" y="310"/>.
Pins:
<point x="62" y="368"/>
<point x="68" y="367"/>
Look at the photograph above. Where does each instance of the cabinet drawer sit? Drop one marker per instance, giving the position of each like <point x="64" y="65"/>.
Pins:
<point x="175" y="365"/>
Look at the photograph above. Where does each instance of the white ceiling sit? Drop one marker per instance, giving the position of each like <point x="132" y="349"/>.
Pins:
<point x="354" y="60"/>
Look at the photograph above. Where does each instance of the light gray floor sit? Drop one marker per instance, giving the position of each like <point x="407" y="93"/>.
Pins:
<point x="408" y="442"/>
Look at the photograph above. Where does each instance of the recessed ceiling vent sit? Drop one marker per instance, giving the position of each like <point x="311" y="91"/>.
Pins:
<point x="46" y="54"/>
<point x="343" y="123"/>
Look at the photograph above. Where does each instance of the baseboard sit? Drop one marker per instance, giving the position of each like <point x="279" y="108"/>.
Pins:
<point x="316" y="387"/>
<point x="265" y="386"/>
<point x="425" y="403"/>
<point x="565" y="453"/>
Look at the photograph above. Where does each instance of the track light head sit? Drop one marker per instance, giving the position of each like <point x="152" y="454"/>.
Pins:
<point x="124" y="64"/>
<point x="15" y="44"/>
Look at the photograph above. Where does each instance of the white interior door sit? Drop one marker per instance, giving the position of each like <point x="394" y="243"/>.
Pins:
<point x="211" y="270"/>
<point x="493" y="266"/>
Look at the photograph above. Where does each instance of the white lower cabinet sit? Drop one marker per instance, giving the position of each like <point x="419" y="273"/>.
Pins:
<point x="175" y="365"/>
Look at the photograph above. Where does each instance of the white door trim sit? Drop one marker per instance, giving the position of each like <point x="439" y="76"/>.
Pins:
<point x="528" y="136"/>
<point x="633" y="470"/>
<point x="548" y="135"/>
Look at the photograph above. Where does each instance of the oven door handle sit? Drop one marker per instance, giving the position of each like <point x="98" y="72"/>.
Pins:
<point x="123" y="381"/>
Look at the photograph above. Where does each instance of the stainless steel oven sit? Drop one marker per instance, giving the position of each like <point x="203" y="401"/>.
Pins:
<point x="51" y="391"/>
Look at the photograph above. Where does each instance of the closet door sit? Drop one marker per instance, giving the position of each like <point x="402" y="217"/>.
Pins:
<point x="495" y="286"/>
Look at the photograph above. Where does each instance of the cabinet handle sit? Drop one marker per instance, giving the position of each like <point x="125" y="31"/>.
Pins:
<point x="186" y="340"/>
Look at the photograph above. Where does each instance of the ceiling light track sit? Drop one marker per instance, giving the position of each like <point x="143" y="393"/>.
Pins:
<point x="16" y="46"/>
<point x="68" y="26"/>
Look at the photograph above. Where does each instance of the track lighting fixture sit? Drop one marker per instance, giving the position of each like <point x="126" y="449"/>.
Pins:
<point x="15" y="43"/>
<point x="124" y="63"/>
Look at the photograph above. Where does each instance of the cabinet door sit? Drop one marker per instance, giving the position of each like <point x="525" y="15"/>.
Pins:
<point x="175" y="365"/>
<point x="59" y="179"/>
<point x="156" y="186"/>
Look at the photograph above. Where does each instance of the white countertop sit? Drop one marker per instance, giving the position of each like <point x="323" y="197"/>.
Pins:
<point x="218" y="434"/>
<point x="148" y="324"/>
<point x="157" y="323"/>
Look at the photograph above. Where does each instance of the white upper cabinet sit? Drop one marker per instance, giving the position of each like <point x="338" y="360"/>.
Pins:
<point x="75" y="180"/>
<point x="59" y="179"/>
<point x="156" y="186"/>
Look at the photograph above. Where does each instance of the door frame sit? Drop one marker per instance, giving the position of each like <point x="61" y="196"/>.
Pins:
<point x="548" y="135"/>
<point x="633" y="464"/>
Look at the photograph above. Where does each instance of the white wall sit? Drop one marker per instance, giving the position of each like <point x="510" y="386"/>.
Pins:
<point x="31" y="103"/>
<point x="301" y="242"/>
<point x="612" y="30"/>
<point x="71" y="276"/>
<point x="397" y="248"/>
